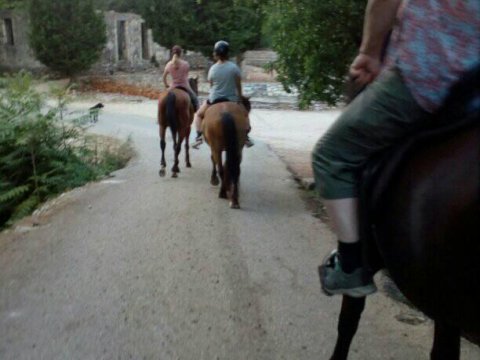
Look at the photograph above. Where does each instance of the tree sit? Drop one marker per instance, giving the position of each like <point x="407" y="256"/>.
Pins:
<point x="67" y="36"/>
<point x="198" y="24"/>
<point x="315" y="41"/>
<point x="10" y="4"/>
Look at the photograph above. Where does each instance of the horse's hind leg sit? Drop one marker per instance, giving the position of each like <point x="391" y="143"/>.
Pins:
<point x="446" y="342"/>
<point x="177" y="148"/>
<point x="187" y="148"/>
<point x="234" y="184"/>
<point x="223" y="177"/>
<point x="214" y="178"/>
<point x="163" y="144"/>
<point x="348" y="321"/>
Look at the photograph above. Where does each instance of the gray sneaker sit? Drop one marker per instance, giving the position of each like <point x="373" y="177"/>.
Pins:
<point x="248" y="142"/>
<point x="335" y="281"/>
<point x="198" y="142"/>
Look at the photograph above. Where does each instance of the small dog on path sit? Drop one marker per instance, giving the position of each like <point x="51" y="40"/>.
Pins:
<point x="93" y="112"/>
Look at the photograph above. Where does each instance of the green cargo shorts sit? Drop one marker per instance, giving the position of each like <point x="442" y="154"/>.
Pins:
<point x="380" y="117"/>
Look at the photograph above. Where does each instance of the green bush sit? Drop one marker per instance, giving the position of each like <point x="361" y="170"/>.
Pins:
<point x="67" y="36"/>
<point x="316" y="42"/>
<point x="41" y="154"/>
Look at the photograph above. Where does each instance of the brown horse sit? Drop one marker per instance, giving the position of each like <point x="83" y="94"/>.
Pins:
<point x="225" y="128"/>
<point x="175" y="110"/>
<point x="420" y="219"/>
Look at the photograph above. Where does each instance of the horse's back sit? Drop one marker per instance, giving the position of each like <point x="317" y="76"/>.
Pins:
<point x="428" y="227"/>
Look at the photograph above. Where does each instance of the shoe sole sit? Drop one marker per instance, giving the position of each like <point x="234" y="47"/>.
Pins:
<point x="357" y="292"/>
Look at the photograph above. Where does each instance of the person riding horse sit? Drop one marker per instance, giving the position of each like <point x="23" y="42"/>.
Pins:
<point x="226" y="85"/>
<point x="178" y="69"/>
<point x="433" y="44"/>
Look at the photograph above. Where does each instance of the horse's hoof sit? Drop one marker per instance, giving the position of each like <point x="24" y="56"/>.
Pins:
<point x="214" y="181"/>
<point x="234" y="206"/>
<point x="189" y="165"/>
<point x="174" y="175"/>
<point x="162" y="172"/>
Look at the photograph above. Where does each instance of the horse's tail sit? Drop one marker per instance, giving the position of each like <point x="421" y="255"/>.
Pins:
<point x="231" y="147"/>
<point x="171" y="112"/>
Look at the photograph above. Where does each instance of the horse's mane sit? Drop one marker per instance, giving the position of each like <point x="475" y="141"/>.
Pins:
<point x="246" y="102"/>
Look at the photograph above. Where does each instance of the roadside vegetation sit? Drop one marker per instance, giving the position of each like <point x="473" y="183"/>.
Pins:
<point x="43" y="153"/>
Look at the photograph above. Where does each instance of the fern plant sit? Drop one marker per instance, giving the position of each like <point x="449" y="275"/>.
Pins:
<point x="41" y="154"/>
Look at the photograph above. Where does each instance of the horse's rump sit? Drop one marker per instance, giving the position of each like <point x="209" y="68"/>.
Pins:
<point x="174" y="102"/>
<point x="213" y="123"/>
<point x="225" y="127"/>
<point x="420" y="217"/>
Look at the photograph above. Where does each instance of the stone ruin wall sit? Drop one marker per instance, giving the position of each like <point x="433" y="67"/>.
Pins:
<point x="137" y="53"/>
<point x="18" y="55"/>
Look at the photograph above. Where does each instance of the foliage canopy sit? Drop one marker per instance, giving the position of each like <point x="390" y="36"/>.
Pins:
<point x="198" y="24"/>
<point x="67" y="36"/>
<point x="315" y="41"/>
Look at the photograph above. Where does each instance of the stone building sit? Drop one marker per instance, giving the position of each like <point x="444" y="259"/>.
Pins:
<point x="15" y="52"/>
<point x="129" y="44"/>
<point x="259" y="58"/>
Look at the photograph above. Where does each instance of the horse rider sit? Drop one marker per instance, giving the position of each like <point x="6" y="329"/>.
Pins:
<point x="178" y="70"/>
<point x="433" y="42"/>
<point x="225" y="85"/>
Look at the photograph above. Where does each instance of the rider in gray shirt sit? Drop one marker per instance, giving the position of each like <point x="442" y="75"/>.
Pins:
<point x="223" y="77"/>
<point x="226" y="84"/>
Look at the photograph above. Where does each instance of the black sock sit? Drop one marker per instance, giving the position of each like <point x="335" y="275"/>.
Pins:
<point x="350" y="256"/>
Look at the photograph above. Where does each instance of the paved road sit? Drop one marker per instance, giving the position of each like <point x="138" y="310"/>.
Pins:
<point x="139" y="267"/>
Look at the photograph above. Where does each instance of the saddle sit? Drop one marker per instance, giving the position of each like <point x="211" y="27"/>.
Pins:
<point x="382" y="168"/>
<point x="184" y="89"/>
<point x="245" y="101"/>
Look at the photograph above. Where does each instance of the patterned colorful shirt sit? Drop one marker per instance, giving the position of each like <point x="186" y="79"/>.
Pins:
<point x="434" y="42"/>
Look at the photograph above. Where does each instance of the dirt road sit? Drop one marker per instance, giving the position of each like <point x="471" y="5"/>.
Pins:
<point x="142" y="267"/>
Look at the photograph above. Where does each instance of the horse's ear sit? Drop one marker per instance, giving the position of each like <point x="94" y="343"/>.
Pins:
<point x="196" y="78"/>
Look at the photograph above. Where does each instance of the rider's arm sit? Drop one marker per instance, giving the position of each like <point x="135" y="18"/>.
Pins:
<point x="379" y="19"/>
<point x="165" y="73"/>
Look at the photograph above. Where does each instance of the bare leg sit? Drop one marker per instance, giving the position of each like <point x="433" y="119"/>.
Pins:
<point x="348" y="321"/>
<point x="344" y="216"/>
<point x="163" y="144"/>
<point x="198" y="117"/>
<point x="446" y="342"/>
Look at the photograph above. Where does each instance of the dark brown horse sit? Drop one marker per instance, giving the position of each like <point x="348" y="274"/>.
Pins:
<point x="420" y="219"/>
<point x="225" y="128"/>
<point x="175" y="110"/>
